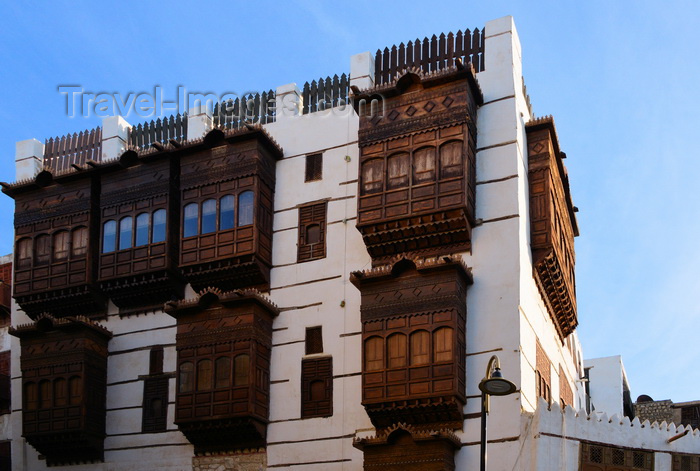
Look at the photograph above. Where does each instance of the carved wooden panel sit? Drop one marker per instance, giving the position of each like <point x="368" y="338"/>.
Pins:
<point x="226" y="210"/>
<point x="64" y="376"/>
<point x="405" y="448"/>
<point x="316" y="387"/>
<point x="223" y="344"/>
<point x="55" y="233"/>
<point x="312" y="232"/>
<point x="138" y="249"/>
<point x="552" y="225"/>
<point x="417" y="164"/>
<point x="607" y="458"/>
<point x="413" y="330"/>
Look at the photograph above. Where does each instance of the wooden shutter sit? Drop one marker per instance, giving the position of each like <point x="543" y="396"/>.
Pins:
<point x="314" y="340"/>
<point x="312" y="232"/>
<point x="314" y="167"/>
<point x="316" y="387"/>
<point x="155" y="404"/>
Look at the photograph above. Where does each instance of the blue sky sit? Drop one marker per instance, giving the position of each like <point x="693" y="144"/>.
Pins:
<point x="620" y="78"/>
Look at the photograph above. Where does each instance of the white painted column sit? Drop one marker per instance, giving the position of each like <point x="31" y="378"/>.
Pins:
<point x="29" y="159"/>
<point x="115" y="134"/>
<point x="288" y="102"/>
<point x="199" y="122"/>
<point x="362" y="70"/>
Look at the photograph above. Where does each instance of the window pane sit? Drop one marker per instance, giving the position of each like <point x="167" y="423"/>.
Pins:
<point x="204" y="375"/>
<point x="223" y="372"/>
<point x="226" y="213"/>
<point x="396" y="350"/>
<point x="125" y="229"/>
<point x="420" y="353"/>
<point x="398" y="171"/>
<point x="451" y="159"/>
<point x="317" y="390"/>
<point x="74" y="386"/>
<point x="424" y="165"/>
<point x="79" y="242"/>
<point x="372" y="176"/>
<point x="59" y="392"/>
<point x="109" y="236"/>
<point x="208" y="216"/>
<point x="24" y="253"/>
<point x="44" y="395"/>
<point x="30" y="396"/>
<point x="245" y="208"/>
<point x="158" y="227"/>
<point x="190" y="227"/>
<point x="313" y="234"/>
<point x="43" y="248"/>
<point x="241" y="366"/>
<point x="60" y="245"/>
<point x="374" y="354"/>
<point x="186" y="377"/>
<point x="442" y="344"/>
<point x="142" y="229"/>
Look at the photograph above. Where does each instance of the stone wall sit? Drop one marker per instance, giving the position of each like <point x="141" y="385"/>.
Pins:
<point x="245" y="461"/>
<point x="655" y="411"/>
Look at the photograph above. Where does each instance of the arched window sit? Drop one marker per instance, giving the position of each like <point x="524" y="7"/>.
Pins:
<point x="186" y="377"/>
<point x="420" y="348"/>
<point x="313" y="234"/>
<point x="79" y="241"/>
<point x="208" y="216"/>
<point x="125" y="233"/>
<point x="44" y="394"/>
<point x="374" y="354"/>
<point x="245" y="208"/>
<point x="204" y="375"/>
<point x="372" y="176"/>
<point x="241" y="370"/>
<point x="109" y="236"/>
<point x="75" y="393"/>
<point x="424" y="165"/>
<point x="317" y="390"/>
<point x="60" y="395"/>
<point x="396" y="350"/>
<point x="398" y="165"/>
<point x="442" y="344"/>
<point x="226" y="213"/>
<point x="222" y="372"/>
<point x="24" y="253"/>
<point x="60" y="245"/>
<point x="31" y="396"/>
<point x="158" y="226"/>
<point x="143" y="222"/>
<point x="191" y="220"/>
<point x="43" y="249"/>
<point x="451" y="159"/>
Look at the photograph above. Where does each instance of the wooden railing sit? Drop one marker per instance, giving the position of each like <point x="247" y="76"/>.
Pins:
<point x="326" y="93"/>
<point x="430" y="55"/>
<point x="251" y="108"/>
<point x="160" y="130"/>
<point x="62" y="153"/>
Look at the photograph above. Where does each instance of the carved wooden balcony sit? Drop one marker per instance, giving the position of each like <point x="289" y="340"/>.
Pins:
<point x="553" y="224"/>
<point x="227" y="206"/>
<point x="55" y="244"/>
<point x="139" y="207"/>
<point x="413" y="316"/>
<point x="64" y="377"/>
<point x="223" y="355"/>
<point x="417" y="143"/>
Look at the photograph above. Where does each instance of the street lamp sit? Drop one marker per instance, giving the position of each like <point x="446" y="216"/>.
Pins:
<point x="493" y="384"/>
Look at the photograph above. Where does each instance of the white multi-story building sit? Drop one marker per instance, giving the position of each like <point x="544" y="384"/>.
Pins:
<point x="322" y="289"/>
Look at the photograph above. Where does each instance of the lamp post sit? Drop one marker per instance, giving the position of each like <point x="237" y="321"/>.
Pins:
<point x="493" y="384"/>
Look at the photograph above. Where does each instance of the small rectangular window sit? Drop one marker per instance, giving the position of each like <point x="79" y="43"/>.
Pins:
<point x="314" y="340"/>
<point x="312" y="232"/>
<point x="156" y="361"/>
<point x="155" y="404"/>
<point x="314" y="167"/>
<point x="316" y="387"/>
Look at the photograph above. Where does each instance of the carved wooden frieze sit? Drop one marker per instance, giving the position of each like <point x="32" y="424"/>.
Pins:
<point x="138" y="237"/>
<point x="227" y="194"/>
<point x="223" y="354"/>
<point x="417" y="143"/>
<point x="56" y="227"/>
<point x="405" y="448"/>
<point x="64" y="377"/>
<point x="553" y="224"/>
<point x="413" y="316"/>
